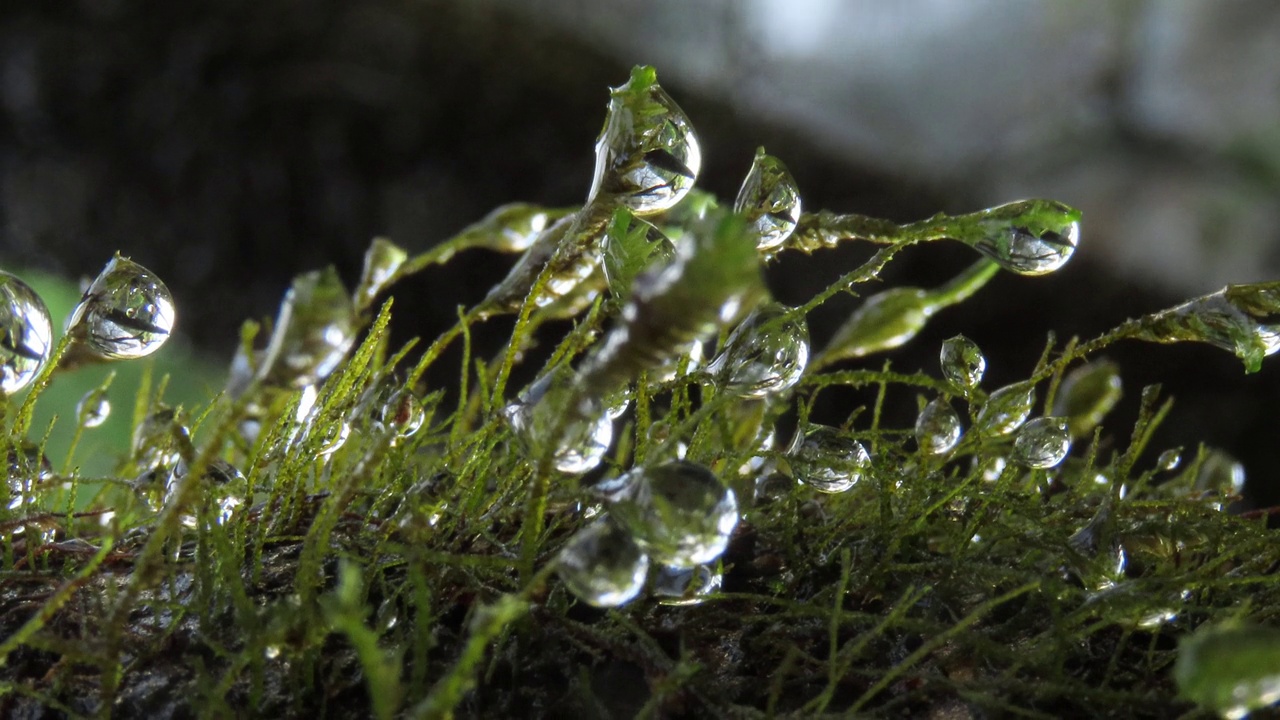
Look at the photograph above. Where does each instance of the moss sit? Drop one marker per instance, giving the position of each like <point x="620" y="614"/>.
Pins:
<point x="393" y="549"/>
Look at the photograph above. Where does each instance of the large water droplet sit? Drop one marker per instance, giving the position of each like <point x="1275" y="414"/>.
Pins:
<point x="1042" y="443"/>
<point x="938" y="428"/>
<point x="602" y="566"/>
<point x="685" y="586"/>
<point x="962" y="362"/>
<point x="765" y="354"/>
<point x="1029" y="237"/>
<point x="94" y="408"/>
<point x="647" y="155"/>
<point x="224" y="487"/>
<point x="1006" y="409"/>
<point x="1087" y="394"/>
<point x="1169" y="459"/>
<point x="679" y="512"/>
<point x="1220" y="476"/>
<point x="1231" y="669"/>
<point x="769" y="200"/>
<point x="1242" y="319"/>
<point x="160" y="441"/>
<point x="577" y="437"/>
<point x="826" y="459"/>
<point x="390" y="409"/>
<point x="127" y="312"/>
<point x="314" y="330"/>
<point x="26" y="334"/>
<point x="381" y="263"/>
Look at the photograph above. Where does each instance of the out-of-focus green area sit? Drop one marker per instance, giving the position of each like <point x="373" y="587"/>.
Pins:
<point x="193" y="382"/>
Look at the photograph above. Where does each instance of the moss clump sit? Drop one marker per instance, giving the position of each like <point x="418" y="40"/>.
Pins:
<point x="332" y="537"/>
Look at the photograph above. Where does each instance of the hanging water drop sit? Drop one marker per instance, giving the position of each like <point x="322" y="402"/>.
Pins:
<point x="389" y="409"/>
<point x="647" y="155"/>
<point x="223" y="487"/>
<point x="26" y="334"/>
<point x="826" y="459"/>
<point x="765" y="354"/>
<point x="126" y="313"/>
<point x="314" y="329"/>
<point x="28" y="467"/>
<point x="962" y="362"/>
<point x="1042" y="443"/>
<point x="685" y="586"/>
<point x="382" y="262"/>
<point x="602" y="566"/>
<point x="1087" y="394"/>
<point x="577" y="437"/>
<point x="1242" y="319"/>
<point x="1006" y="409"/>
<point x="1029" y="237"/>
<point x="93" y="409"/>
<point x="678" y="512"/>
<point x="769" y="200"/>
<point x="1169" y="460"/>
<point x="937" y="428"/>
<point x="1220" y="476"/>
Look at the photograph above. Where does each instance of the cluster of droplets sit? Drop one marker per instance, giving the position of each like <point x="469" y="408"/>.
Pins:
<point x="677" y="515"/>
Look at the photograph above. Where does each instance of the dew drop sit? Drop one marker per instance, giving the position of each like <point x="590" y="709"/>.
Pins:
<point x="937" y="428"/>
<point x="1087" y="394"/>
<point x="826" y="459"/>
<point x="765" y="354"/>
<point x="27" y="468"/>
<point x="685" y="586"/>
<point x="1241" y="319"/>
<point x="127" y="312"/>
<point x="602" y="566"/>
<point x="1220" y="476"/>
<point x="314" y="330"/>
<point x="26" y="334"/>
<point x="962" y="362"/>
<point x="769" y="200"/>
<point x="1169" y="460"/>
<point x="1006" y="409"/>
<point x="381" y="263"/>
<point x="509" y="228"/>
<point x="540" y="417"/>
<point x="94" y="408"/>
<point x="224" y="486"/>
<point x="1029" y="237"/>
<point x="389" y="409"/>
<point x="678" y="512"/>
<point x="647" y="155"/>
<point x="1232" y="668"/>
<point x="1042" y="443"/>
<point x="160" y="441"/>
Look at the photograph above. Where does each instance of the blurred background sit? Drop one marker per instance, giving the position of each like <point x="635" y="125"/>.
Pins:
<point x="228" y="145"/>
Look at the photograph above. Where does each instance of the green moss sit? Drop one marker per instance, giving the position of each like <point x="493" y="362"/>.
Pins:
<point x="399" y="573"/>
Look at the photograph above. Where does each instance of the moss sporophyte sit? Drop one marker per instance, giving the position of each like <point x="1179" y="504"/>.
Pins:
<point x="662" y="502"/>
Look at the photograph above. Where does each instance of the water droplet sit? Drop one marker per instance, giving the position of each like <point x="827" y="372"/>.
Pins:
<point x="305" y="423"/>
<point x="1169" y="459"/>
<point x="685" y="586"/>
<point x="27" y="468"/>
<point x="540" y="417"/>
<point x="769" y="200"/>
<point x="1104" y="559"/>
<point x="826" y="459"/>
<point x="26" y="334"/>
<point x="1241" y="319"/>
<point x="602" y="566"/>
<point x="765" y="354"/>
<point x="1231" y="668"/>
<point x="962" y="362"/>
<point x="509" y="228"/>
<point x="223" y="486"/>
<point x="1042" y="443"/>
<point x="1006" y="409"/>
<point x="772" y="486"/>
<point x="1220" y="476"/>
<point x="271" y="652"/>
<point x="647" y="155"/>
<point x="630" y="246"/>
<point x="678" y="512"/>
<point x="1029" y="237"/>
<point x="127" y="312"/>
<point x="381" y="263"/>
<point x="94" y="408"/>
<point x="938" y="428"/>
<point x="388" y="408"/>
<point x="314" y="330"/>
<point x="160" y="441"/>
<point x="1087" y="394"/>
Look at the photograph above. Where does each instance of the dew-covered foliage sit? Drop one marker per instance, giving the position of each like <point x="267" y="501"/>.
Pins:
<point x="657" y="525"/>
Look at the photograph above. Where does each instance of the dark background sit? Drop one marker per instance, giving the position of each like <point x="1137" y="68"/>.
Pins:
<point x="230" y="145"/>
